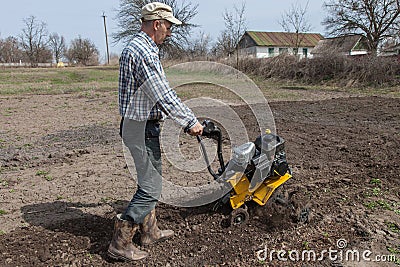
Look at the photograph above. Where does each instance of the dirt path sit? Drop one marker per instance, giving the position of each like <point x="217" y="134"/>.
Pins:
<point x="62" y="179"/>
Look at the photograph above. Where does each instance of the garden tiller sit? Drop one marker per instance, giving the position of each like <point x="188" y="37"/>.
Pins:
<point x="257" y="169"/>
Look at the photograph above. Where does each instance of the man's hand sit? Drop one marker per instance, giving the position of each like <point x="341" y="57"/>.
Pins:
<point x="197" y="129"/>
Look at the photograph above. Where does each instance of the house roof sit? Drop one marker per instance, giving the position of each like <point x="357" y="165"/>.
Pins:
<point x="284" y="38"/>
<point x="342" y="44"/>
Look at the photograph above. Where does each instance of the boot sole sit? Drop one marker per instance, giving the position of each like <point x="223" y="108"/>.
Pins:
<point x="121" y="258"/>
<point x="156" y="241"/>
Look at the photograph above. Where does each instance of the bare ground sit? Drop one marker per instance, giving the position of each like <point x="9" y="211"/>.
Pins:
<point x="63" y="180"/>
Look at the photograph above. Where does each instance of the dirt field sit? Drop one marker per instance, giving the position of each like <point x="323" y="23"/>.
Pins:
<point x="63" y="180"/>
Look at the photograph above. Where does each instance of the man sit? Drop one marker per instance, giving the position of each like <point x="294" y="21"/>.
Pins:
<point x="144" y="98"/>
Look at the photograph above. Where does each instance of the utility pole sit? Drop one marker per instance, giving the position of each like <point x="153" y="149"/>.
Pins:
<point x="105" y="30"/>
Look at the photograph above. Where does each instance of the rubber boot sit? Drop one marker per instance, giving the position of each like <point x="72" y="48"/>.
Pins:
<point x="150" y="233"/>
<point x="121" y="247"/>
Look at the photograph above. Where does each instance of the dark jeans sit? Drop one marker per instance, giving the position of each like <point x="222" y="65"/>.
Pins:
<point x="142" y="140"/>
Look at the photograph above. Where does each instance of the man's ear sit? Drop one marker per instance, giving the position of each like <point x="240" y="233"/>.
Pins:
<point x="156" y="24"/>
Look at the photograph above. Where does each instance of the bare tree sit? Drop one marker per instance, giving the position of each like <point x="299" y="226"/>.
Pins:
<point x="57" y="45"/>
<point x="235" y="27"/>
<point x="34" y="41"/>
<point x="200" y="46"/>
<point x="375" y="19"/>
<point x="83" y="52"/>
<point x="10" y="50"/>
<point x="295" y="21"/>
<point x="129" y="14"/>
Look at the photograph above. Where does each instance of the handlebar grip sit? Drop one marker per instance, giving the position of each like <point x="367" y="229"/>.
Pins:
<point x="209" y="128"/>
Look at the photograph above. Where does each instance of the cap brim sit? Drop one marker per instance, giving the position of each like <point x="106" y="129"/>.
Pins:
<point x="174" y="20"/>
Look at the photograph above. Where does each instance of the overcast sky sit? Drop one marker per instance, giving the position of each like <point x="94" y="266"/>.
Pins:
<point x="83" y="17"/>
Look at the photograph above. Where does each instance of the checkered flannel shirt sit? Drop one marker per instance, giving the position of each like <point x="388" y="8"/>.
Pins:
<point x="144" y="92"/>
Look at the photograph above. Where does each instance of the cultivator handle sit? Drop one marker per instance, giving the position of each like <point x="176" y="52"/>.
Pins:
<point x="212" y="131"/>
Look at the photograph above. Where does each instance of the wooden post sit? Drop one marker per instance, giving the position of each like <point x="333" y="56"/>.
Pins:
<point x="105" y="30"/>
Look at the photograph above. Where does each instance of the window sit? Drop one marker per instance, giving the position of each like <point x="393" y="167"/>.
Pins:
<point x="271" y="51"/>
<point x="283" y="51"/>
<point x="305" y="52"/>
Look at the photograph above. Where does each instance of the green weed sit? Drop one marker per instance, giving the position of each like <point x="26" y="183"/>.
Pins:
<point x="371" y="205"/>
<point x="393" y="250"/>
<point x="376" y="191"/>
<point x="385" y="205"/>
<point x="45" y="175"/>
<point x="375" y="181"/>
<point x="40" y="173"/>
<point x="393" y="227"/>
<point x="306" y="244"/>
<point x="379" y="203"/>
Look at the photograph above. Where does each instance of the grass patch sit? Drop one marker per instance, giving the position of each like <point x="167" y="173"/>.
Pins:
<point x="16" y="81"/>
<point x="3" y="212"/>
<point x="56" y="81"/>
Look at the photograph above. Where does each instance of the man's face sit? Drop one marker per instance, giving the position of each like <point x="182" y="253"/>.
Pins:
<point x="162" y="30"/>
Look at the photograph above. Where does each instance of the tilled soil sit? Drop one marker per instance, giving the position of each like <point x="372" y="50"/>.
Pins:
<point x="63" y="179"/>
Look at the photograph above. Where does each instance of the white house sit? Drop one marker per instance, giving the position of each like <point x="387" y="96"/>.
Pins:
<point x="270" y="44"/>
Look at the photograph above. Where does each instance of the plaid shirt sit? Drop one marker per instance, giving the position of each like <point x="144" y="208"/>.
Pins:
<point x="144" y="92"/>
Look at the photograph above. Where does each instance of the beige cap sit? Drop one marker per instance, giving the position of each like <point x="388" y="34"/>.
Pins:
<point x="157" y="10"/>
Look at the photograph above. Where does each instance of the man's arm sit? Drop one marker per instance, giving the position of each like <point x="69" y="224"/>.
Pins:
<point x="158" y="90"/>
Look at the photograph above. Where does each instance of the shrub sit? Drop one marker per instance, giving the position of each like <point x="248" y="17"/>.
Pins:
<point x="327" y="69"/>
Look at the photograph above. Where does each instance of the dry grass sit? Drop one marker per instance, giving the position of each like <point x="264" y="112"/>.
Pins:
<point x="220" y="83"/>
